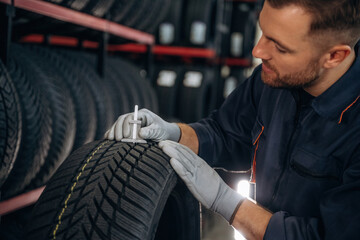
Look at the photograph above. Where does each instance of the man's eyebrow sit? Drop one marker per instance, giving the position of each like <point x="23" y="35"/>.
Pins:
<point x="275" y="41"/>
<point x="281" y="45"/>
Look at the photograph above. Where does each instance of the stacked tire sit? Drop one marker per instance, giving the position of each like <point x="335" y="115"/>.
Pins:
<point x="179" y="87"/>
<point x="48" y="127"/>
<point x="55" y="110"/>
<point x="10" y="124"/>
<point x="53" y="102"/>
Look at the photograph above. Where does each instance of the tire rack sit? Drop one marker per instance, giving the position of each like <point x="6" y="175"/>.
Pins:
<point x="7" y="10"/>
<point x="143" y="39"/>
<point x="67" y="15"/>
<point x="144" y="45"/>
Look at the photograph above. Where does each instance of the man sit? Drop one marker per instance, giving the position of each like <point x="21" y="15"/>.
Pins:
<point x="297" y="118"/>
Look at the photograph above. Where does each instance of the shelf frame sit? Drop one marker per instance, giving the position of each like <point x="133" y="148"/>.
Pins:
<point x="68" y="15"/>
<point x="20" y="201"/>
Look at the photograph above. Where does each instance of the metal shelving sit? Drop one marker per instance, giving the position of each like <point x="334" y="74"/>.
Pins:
<point x="7" y="10"/>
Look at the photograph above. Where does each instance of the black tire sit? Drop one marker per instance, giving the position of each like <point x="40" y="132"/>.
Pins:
<point x="120" y="9"/>
<point x="36" y="125"/>
<point x="68" y="69"/>
<point x="153" y="98"/>
<point x="244" y="23"/>
<point x="199" y="11"/>
<point x="166" y="90"/>
<point x="78" y="5"/>
<point x="100" y="91"/>
<point x="123" y="81"/>
<point x="119" y="89"/>
<point x="63" y="126"/>
<point x="202" y="98"/>
<point x="114" y="190"/>
<point x="99" y="8"/>
<point x="156" y="15"/>
<point x="10" y="124"/>
<point x="138" y="85"/>
<point x="174" y="17"/>
<point x="136" y="13"/>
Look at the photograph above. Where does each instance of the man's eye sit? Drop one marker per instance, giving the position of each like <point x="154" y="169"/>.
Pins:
<point x="280" y="50"/>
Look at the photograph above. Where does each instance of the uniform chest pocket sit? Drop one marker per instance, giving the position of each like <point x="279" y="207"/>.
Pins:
<point x="310" y="165"/>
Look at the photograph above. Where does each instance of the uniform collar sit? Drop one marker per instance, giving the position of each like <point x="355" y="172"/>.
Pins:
<point x="335" y="100"/>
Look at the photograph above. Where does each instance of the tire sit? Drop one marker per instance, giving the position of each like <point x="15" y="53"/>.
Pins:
<point x="122" y="94"/>
<point x="120" y="10"/>
<point x="68" y="69"/>
<point x="36" y="125"/>
<point x="243" y="24"/>
<point x="115" y="190"/>
<point x="136" y="13"/>
<point x="99" y="90"/>
<point x="174" y="18"/>
<point x="157" y="14"/>
<point x="145" y="88"/>
<point x="140" y="87"/>
<point x="124" y="81"/>
<point x="78" y="5"/>
<point x="201" y="98"/>
<point x="10" y="124"/>
<point x="99" y="8"/>
<point x="167" y="89"/>
<point x="199" y="11"/>
<point x="63" y="119"/>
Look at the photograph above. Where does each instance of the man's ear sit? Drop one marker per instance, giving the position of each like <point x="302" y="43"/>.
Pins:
<point x="336" y="55"/>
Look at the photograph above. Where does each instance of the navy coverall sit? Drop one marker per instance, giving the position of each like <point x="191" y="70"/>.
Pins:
<point x="306" y="152"/>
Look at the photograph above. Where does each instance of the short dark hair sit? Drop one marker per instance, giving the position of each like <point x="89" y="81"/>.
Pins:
<point x="334" y="16"/>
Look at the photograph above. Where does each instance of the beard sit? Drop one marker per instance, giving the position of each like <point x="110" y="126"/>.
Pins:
<point x="296" y="80"/>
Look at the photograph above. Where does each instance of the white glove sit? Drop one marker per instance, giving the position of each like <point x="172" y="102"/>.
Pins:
<point x="152" y="127"/>
<point x="203" y="181"/>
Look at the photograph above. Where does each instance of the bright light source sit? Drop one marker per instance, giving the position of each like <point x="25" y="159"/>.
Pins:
<point x="243" y="188"/>
<point x="238" y="236"/>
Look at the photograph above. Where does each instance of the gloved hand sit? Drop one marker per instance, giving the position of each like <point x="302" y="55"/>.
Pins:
<point x="203" y="181"/>
<point x="152" y="127"/>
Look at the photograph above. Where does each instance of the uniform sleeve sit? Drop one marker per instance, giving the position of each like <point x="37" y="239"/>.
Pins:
<point x="225" y="136"/>
<point x="340" y="213"/>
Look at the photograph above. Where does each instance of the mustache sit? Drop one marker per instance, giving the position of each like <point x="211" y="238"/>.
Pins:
<point x="267" y="64"/>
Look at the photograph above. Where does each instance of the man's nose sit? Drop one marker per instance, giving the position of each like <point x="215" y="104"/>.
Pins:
<point x="261" y="49"/>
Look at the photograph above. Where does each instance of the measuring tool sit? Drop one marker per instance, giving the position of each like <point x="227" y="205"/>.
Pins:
<point x="136" y="124"/>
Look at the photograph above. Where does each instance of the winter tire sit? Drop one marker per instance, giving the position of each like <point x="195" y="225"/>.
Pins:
<point x="99" y="89"/>
<point x="10" y="124"/>
<point x="70" y="72"/>
<point x="63" y="122"/>
<point x="36" y="125"/>
<point x="115" y="190"/>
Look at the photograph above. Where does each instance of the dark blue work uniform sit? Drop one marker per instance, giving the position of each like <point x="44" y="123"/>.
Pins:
<point x="307" y="153"/>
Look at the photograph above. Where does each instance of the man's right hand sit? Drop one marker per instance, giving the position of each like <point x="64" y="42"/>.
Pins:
<point x="152" y="127"/>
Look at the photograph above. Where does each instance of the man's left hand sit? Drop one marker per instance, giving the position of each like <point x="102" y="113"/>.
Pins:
<point x="203" y="181"/>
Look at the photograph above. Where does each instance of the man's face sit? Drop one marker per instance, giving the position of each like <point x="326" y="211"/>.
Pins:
<point x="290" y="58"/>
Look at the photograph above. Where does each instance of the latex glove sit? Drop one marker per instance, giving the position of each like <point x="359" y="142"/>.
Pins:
<point x="152" y="127"/>
<point x="203" y="181"/>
